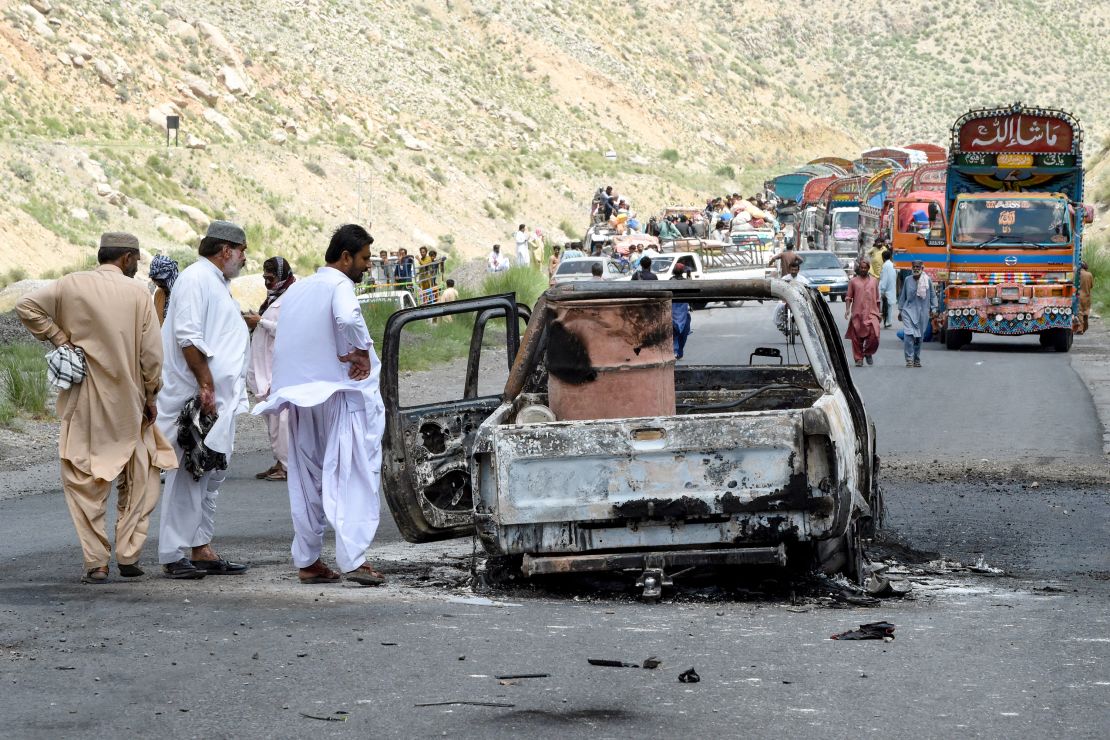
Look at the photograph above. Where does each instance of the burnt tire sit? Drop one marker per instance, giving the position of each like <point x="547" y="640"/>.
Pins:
<point x="842" y="554"/>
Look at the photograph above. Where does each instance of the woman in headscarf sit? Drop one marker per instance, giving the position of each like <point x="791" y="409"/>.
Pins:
<point x="277" y="274"/>
<point x="163" y="273"/>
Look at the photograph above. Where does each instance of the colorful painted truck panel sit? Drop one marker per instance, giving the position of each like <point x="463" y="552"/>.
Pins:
<point x="1013" y="196"/>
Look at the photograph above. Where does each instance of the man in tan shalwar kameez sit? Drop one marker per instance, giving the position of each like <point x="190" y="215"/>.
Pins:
<point x="107" y="419"/>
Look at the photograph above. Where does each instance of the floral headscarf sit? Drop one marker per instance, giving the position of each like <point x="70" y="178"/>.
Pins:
<point x="282" y="270"/>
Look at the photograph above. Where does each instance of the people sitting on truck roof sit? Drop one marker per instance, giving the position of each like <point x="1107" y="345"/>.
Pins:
<point x="572" y="250"/>
<point x="668" y="231"/>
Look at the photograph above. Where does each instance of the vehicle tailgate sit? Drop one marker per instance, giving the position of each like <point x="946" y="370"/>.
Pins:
<point x="664" y="467"/>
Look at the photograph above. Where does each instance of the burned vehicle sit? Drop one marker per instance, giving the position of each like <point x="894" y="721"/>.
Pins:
<point x="603" y="453"/>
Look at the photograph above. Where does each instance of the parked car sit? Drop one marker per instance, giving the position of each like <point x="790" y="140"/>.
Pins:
<point x="825" y="272"/>
<point x="579" y="268"/>
<point x="602" y="454"/>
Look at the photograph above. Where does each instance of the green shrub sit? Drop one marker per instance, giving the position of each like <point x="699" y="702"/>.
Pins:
<point x="526" y="282"/>
<point x="567" y="228"/>
<point x="1097" y="257"/>
<point x="669" y="155"/>
<point x="725" y="171"/>
<point x="315" y="168"/>
<point x="23" y="386"/>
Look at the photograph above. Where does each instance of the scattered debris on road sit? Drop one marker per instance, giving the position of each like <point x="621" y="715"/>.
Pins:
<point x="871" y="631"/>
<point x="652" y="663"/>
<point x="465" y="702"/>
<point x="341" y="716"/>
<point x="689" y="676"/>
<point x="611" y="663"/>
<point x="511" y="676"/>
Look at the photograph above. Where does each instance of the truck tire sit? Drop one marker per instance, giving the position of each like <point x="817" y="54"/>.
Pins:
<point x="1061" y="339"/>
<point x="956" y="338"/>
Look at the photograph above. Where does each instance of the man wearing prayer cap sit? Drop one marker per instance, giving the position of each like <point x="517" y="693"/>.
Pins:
<point x="206" y="343"/>
<point x="108" y="429"/>
<point x="916" y="305"/>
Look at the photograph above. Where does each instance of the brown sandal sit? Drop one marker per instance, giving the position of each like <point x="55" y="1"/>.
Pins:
<point x="96" y="575"/>
<point x="278" y="473"/>
<point x="318" y="573"/>
<point x="268" y="471"/>
<point x="365" y="575"/>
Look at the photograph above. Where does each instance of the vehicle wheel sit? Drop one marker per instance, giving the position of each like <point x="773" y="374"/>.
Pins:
<point x="842" y="555"/>
<point x="501" y="570"/>
<point x="1045" y="338"/>
<point x="956" y="338"/>
<point x="1061" y="340"/>
<point x="832" y="298"/>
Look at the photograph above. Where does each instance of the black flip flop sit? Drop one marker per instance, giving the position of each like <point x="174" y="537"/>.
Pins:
<point x="220" y="567"/>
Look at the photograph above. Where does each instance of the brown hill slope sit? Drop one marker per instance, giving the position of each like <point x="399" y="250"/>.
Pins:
<point x="448" y="124"/>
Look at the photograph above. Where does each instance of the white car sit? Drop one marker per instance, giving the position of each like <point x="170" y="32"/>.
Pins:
<point x="574" y="269"/>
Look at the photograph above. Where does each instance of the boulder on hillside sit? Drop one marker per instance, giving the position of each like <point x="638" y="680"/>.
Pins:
<point x="410" y="141"/>
<point x="198" y="217"/>
<point x="105" y="73"/>
<point x="202" y="90"/>
<point x="522" y="120"/>
<point x="79" y="214"/>
<point x="65" y="59"/>
<point x="175" y="229"/>
<point x="79" y="49"/>
<point x="278" y="136"/>
<point x="233" y="80"/>
<point x="156" y="116"/>
<point x="94" y="170"/>
<point x="195" y="142"/>
<point x="42" y="6"/>
<point x="221" y="122"/>
<point x="219" y="43"/>
<point x="182" y="30"/>
<point x="38" y="22"/>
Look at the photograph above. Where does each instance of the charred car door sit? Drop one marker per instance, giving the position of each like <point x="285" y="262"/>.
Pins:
<point x="427" y="445"/>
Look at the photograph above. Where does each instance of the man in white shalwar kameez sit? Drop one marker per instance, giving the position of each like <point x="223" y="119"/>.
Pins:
<point x="326" y="375"/>
<point x="206" y="346"/>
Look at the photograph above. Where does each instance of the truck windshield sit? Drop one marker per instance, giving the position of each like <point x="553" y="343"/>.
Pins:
<point x="845" y="225"/>
<point x="1041" y="222"/>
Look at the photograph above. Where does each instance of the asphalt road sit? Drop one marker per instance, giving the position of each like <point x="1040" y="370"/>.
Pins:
<point x="1025" y="653"/>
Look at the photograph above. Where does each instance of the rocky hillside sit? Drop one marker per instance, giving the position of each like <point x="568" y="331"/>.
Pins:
<point x="449" y="123"/>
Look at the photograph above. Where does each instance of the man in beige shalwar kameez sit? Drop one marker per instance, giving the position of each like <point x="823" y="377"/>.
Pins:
<point x="107" y="420"/>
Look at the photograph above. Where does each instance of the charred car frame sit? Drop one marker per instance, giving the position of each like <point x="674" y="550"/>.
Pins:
<point x="757" y="463"/>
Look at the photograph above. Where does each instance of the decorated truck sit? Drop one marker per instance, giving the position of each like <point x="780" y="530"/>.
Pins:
<point x="1013" y="197"/>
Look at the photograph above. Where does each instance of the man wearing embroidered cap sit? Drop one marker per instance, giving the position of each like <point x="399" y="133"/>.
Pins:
<point x="107" y="418"/>
<point x="206" y="343"/>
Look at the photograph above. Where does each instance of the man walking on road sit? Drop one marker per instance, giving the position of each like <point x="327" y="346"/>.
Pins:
<point x="206" y="346"/>
<point x="916" y="305"/>
<point x="326" y="375"/>
<point x="861" y="308"/>
<point x="888" y="287"/>
<point x="1086" y="285"/>
<point x="108" y="417"/>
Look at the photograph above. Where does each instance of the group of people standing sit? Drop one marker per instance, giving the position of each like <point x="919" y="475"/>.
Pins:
<point x="135" y="400"/>
<point x="529" y="251"/>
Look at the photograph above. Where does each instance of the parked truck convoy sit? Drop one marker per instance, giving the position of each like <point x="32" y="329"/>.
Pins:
<point x="1014" y="204"/>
